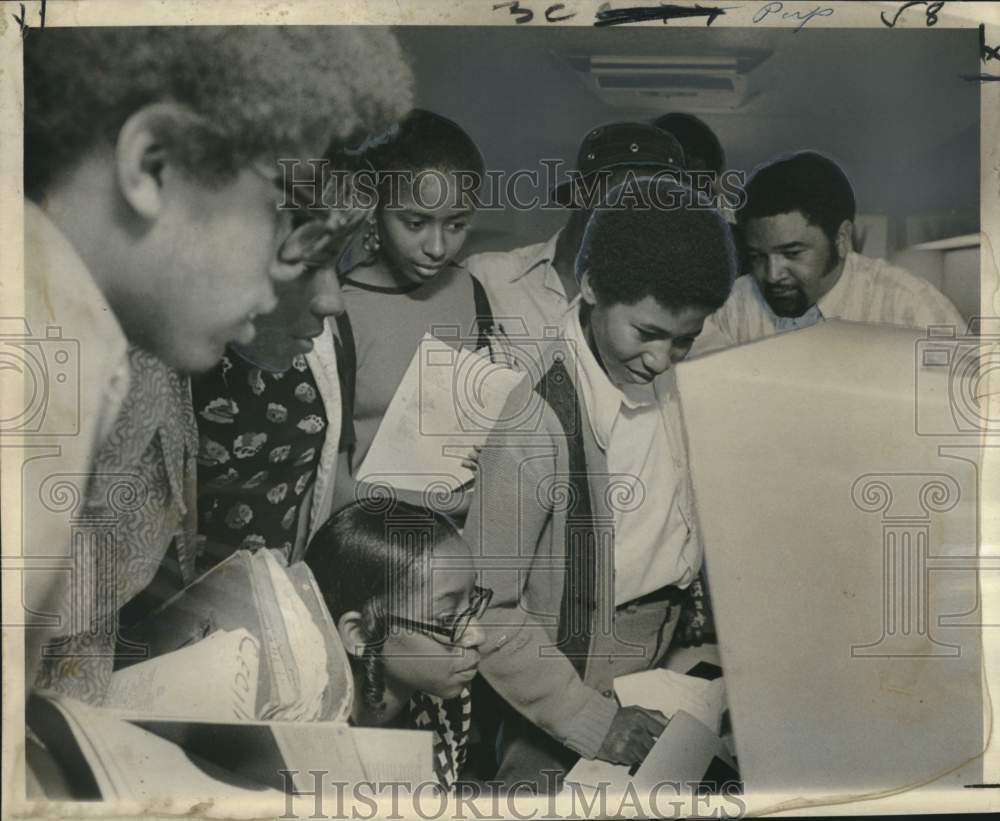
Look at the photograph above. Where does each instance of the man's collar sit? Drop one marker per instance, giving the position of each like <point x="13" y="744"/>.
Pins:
<point x="543" y="257"/>
<point x="59" y="280"/>
<point x="831" y="304"/>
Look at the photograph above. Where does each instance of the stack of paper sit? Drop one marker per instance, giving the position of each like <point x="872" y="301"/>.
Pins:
<point x="299" y="667"/>
<point x="294" y="644"/>
<point x="449" y="401"/>
<point x="174" y="684"/>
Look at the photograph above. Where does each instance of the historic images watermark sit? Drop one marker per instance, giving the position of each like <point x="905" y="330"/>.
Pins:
<point x="314" y="794"/>
<point x="969" y="358"/>
<point x="316" y="184"/>
<point x="37" y="366"/>
<point x="954" y="378"/>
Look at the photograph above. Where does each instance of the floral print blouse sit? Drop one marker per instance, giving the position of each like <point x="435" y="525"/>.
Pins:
<point x="260" y="436"/>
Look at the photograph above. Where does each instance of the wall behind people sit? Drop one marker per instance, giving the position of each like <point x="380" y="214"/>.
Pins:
<point x="887" y="104"/>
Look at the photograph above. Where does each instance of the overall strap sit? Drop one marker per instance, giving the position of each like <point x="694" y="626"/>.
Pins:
<point x="484" y="312"/>
<point x="347" y="371"/>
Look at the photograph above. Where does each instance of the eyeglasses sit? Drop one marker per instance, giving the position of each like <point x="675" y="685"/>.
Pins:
<point x="317" y="244"/>
<point x="312" y="243"/>
<point x="317" y="239"/>
<point x="457" y="624"/>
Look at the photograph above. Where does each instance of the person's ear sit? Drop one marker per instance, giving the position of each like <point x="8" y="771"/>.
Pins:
<point x="142" y="156"/>
<point x="843" y="242"/>
<point x="351" y="633"/>
<point x="587" y="289"/>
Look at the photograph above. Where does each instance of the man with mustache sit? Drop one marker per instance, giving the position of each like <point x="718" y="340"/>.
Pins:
<point x="797" y="222"/>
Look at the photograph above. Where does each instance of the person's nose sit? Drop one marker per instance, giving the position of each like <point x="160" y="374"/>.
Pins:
<point x="266" y="298"/>
<point x="775" y="270"/>
<point x="678" y="352"/>
<point x="657" y="358"/>
<point x="474" y="635"/>
<point x="328" y="299"/>
<point x="434" y="244"/>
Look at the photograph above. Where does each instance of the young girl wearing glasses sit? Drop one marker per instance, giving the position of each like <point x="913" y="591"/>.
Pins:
<point x="400" y="586"/>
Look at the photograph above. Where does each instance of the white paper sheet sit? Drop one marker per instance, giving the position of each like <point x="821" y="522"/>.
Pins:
<point x="449" y="400"/>
<point x="682" y="753"/>
<point x="668" y="692"/>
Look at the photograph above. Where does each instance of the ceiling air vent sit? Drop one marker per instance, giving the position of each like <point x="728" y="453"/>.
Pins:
<point x="701" y="83"/>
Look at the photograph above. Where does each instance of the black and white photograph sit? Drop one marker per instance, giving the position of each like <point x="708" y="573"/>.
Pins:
<point x="499" y="409"/>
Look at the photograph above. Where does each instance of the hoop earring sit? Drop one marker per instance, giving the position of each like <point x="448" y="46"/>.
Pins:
<point x="372" y="242"/>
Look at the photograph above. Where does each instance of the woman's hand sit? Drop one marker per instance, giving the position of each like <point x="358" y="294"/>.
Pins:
<point x="633" y="733"/>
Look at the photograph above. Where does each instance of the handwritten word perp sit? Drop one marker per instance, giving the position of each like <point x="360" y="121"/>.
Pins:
<point x="778" y="8"/>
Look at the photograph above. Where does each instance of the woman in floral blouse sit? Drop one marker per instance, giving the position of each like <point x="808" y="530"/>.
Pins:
<point x="269" y="414"/>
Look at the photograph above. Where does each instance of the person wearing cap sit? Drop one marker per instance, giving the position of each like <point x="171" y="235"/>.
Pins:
<point x="535" y="284"/>
<point x="702" y="150"/>
<point x="701" y="146"/>
<point x="583" y="522"/>
<point x="797" y="223"/>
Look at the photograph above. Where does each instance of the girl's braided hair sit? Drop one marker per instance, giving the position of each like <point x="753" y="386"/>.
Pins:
<point x="368" y="558"/>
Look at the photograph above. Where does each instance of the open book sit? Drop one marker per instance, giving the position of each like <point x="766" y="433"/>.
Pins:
<point x="102" y="754"/>
<point x="449" y="400"/>
<point x="250" y="639"/>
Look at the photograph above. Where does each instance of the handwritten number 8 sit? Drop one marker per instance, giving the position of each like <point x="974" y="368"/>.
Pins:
<point x="931" y="13"/>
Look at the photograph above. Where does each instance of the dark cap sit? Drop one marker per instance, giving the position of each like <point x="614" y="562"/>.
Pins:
<point x="617" y="145"/>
